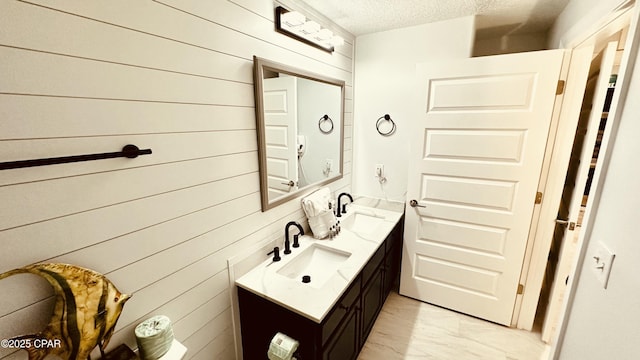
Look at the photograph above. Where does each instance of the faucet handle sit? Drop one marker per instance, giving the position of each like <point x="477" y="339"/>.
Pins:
<point x="295" y="240"/>
<point x="276" y="254"/>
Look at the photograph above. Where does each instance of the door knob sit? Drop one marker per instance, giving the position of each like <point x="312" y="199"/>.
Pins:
<point x="290" y="183"/>
<point x="414" y="203"/>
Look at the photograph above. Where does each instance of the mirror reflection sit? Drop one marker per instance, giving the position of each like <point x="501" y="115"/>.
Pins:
<point x="300" y="129"/>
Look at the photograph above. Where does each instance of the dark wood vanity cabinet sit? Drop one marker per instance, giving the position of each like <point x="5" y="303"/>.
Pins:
<point x="343" y="332"/>
<point x="372" y="295"/>
<point x="341" y="329"/>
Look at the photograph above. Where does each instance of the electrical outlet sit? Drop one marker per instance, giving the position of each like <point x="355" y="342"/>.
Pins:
<point x="601" y="261"/>
<point x="379" y="171"/>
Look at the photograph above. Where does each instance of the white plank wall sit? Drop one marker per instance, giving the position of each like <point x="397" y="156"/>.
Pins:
<point x="81" y="77"/>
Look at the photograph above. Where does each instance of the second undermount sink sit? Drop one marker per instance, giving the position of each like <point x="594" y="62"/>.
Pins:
<point x="319" y="262"/>
<point x="362" y="223"/>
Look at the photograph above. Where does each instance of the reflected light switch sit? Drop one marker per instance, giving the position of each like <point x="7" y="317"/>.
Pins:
<point x="600" y="261"/>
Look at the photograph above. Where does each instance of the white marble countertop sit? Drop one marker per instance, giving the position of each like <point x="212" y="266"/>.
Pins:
<point x="315" y="302"/>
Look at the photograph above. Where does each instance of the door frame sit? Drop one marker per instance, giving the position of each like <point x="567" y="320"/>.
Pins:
<point x="553" y="178"/>
<point x="581" y="163"/>
<point x="556" y="161"/>
<point x="631" y="47"/>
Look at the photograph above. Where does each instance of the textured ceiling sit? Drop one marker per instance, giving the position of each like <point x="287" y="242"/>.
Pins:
<point x="503" y="16"/>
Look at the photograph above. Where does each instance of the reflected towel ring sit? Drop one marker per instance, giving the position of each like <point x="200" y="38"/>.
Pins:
<point x="387" y="118"/>
<point x="323" y="119"/>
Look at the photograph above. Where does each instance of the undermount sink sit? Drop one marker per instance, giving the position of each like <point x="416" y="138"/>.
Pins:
<point x="319" y="262"/>
<point x="362" y="223"/>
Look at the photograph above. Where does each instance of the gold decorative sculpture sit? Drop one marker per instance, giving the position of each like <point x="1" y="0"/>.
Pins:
<point x="87" y="307"/>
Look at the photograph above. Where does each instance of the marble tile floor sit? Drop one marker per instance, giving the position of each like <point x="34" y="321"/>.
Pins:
<point x="409" y="329"/>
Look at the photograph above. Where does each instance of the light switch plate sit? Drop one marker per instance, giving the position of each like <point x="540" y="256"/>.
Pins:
<point x="601" y="260"/>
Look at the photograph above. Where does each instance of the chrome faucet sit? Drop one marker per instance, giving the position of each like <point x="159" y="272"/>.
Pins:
<point x="287" y="244"/>
<point x="343" y="209"/>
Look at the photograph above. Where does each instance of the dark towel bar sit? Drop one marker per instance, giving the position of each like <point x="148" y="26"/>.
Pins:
<point x="129" y="151"/>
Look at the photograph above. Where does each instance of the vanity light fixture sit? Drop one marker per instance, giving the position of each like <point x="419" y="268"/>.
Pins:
<point x="297" y="26"/>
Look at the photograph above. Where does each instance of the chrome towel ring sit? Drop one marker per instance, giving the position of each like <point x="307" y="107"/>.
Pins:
<point x="381" y="120"/>
<point x="323" y="129"/>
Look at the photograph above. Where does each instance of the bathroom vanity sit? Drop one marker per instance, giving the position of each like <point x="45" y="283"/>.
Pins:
<point x="332" y="315"/>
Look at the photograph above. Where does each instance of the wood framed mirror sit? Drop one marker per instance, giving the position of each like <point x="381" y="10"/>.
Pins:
<point x="300" y="130"/>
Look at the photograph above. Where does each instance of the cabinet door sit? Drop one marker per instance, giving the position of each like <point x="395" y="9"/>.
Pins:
<point x="340" y="312"/>
<point x="389" y="275"/>
<point x="392" y="268"/>
<point x="345" y="343"/>
<point x="372" y="300"/>
<point x="392" y="260"/>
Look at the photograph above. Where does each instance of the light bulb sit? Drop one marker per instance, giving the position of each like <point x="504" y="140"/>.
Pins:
<point x="293" y="18"/>
<point x="310" y="27"/>
<point x="324" y="34"/>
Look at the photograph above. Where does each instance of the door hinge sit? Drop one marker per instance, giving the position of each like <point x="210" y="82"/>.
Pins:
<point x="520" y="289"/>
<point x="538" y="198"/>
<point x="560" y="87"/>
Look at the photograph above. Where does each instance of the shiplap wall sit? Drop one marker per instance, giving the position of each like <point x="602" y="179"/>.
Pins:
<point x="175" y="76"/>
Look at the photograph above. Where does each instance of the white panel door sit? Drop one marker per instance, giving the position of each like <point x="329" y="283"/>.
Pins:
<point x="475" y="163"/>
<point x="280" y="119"/>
